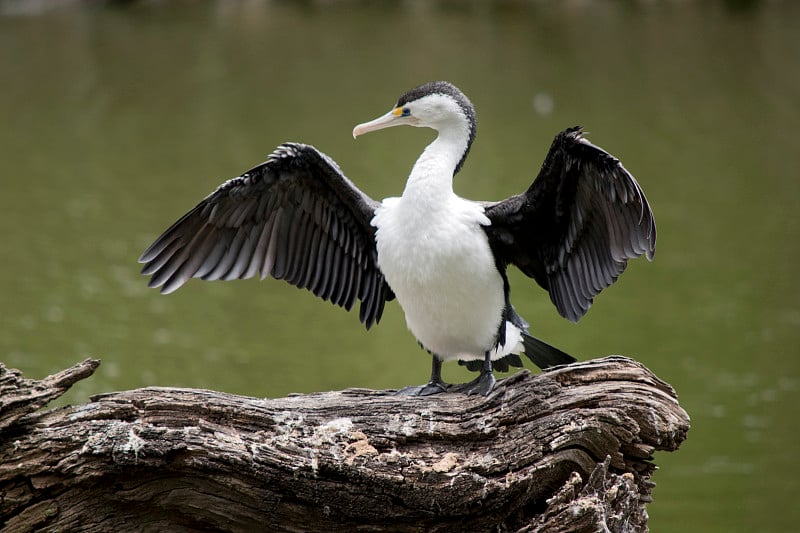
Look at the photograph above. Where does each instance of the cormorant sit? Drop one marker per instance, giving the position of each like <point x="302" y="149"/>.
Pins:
<point x="297" y="217"/>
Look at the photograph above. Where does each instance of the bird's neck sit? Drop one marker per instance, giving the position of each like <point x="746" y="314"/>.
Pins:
<point x="431" y="179"/>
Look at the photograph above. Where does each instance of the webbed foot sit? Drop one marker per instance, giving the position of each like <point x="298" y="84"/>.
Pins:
<point x="483" y="385"/>
<point x="432" y="387"/>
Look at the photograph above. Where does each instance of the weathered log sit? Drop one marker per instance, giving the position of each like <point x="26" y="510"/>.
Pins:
<point x="566" y="450"/>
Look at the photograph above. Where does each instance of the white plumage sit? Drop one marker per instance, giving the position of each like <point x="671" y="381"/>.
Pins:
<point x="434" y="254"/>
<point x="442" y="271"/>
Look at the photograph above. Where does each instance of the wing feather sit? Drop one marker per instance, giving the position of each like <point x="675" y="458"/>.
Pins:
<point x="576" y="226"/>
<point x="303" y="251"/>
<point x="160" y="257"/>
<point x="294" y="217"/>
<point x="259" y="251"/>
<point x="269" y="258"/>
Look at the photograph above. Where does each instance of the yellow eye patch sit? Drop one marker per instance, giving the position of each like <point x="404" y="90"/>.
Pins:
<point x="397" y="111"/>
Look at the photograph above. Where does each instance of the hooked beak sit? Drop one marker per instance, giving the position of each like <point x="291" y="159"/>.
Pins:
<point x="392" y="118"/>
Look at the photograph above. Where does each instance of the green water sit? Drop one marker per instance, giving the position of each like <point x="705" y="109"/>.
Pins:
<point x="116" y="120"/>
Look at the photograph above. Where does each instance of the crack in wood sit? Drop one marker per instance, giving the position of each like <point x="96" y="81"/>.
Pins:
<point x="566" y="450"/>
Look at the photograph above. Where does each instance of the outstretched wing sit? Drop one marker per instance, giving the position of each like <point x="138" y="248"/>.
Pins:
<point x="576" y="226"/>
<point x="295" y="217"/>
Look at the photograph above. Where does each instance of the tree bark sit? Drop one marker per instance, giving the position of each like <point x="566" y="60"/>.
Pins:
<point x="566" y="450"/>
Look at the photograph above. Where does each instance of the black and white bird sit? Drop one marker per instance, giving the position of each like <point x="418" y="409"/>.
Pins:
<point x="297" y="217"/>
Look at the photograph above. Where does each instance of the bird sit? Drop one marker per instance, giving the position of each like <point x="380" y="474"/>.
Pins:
<point x="444" y="258"/>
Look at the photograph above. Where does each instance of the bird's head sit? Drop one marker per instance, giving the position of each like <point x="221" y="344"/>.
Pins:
<point x="439" y="105"/>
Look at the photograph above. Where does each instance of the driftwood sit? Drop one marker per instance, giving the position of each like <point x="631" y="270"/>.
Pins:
<point x="567" y="450"/>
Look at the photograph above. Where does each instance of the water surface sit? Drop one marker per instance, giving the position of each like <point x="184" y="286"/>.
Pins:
<point x="115" y="121"/>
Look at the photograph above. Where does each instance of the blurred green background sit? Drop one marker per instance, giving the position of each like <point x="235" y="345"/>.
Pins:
<point x="116" y="118"/>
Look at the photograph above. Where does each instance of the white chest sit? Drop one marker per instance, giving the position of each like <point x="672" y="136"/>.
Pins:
<point x="440" y="267"/>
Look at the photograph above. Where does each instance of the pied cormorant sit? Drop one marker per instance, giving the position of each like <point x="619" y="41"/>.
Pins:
<point x="297" y="217"/>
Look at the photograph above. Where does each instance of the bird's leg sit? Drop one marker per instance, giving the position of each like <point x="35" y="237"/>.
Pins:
<point x="483" y="384"/>
<point x="434" y="386"/>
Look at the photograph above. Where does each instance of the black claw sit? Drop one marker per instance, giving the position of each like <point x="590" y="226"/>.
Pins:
<point x="483" y="385"/>
<point x="432" y="387"/>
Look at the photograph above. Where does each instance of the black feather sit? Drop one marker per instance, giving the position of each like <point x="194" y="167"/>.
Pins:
<point x="295" y="217"/>
<point x="576" y="226"/>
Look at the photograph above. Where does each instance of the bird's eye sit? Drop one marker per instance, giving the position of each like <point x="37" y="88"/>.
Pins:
<point x="406" y="112"/>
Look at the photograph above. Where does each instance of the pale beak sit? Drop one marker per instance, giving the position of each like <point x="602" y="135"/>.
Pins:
<point x="392" y="118"/>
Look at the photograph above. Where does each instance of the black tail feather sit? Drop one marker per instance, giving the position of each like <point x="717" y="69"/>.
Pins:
<point x="501" y="365"/>
<point x="542" y="354"/>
